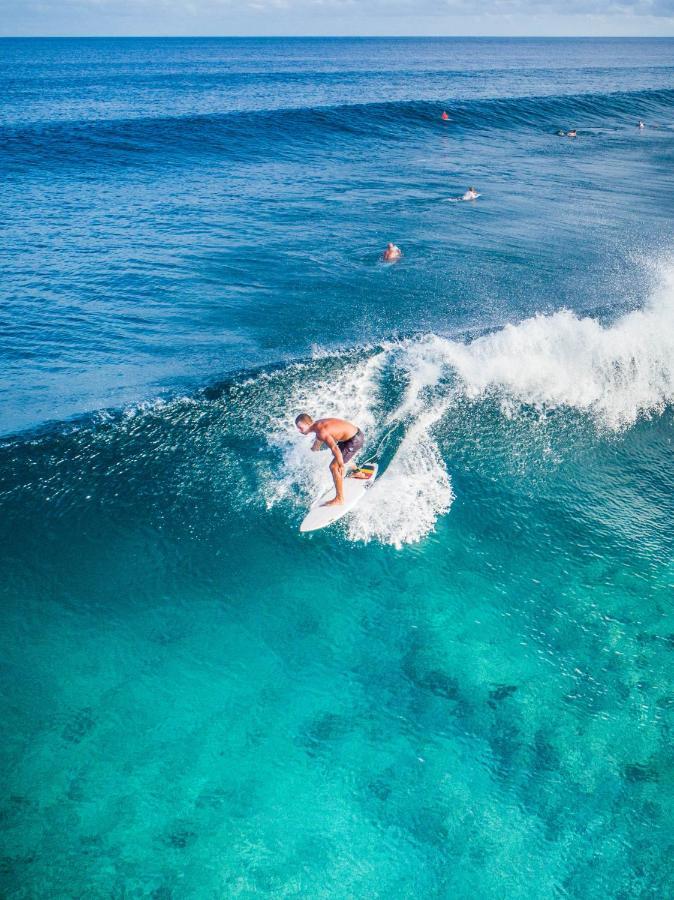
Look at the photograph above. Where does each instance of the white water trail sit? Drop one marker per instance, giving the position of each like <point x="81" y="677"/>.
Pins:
<point x="615" y="373"/>
<point x="404" y="504"/>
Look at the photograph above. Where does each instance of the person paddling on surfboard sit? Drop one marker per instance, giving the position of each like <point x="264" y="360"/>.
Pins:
<point x="344" y="439"/>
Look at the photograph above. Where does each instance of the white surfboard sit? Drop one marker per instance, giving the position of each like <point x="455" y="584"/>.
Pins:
<point x="320" y="516"/>
<point x="462" y="199"/>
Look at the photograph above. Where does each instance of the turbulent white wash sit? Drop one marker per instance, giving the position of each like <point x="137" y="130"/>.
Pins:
<point x="415" y="489"/>
<point x="615" y="373"/>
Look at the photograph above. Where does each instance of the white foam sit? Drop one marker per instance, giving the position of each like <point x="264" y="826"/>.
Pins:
<point x="615" y="373"/>
<point x="416" y="488"/>
<point x="404" y="504"/>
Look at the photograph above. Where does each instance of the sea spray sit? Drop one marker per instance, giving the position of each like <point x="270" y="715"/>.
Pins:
<point x="616" y="373"/>
<point x="415" y="489"/>
<point x="612" y="373"/>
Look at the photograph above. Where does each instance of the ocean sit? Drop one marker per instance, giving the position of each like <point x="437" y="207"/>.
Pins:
<point x="466" y="687"/>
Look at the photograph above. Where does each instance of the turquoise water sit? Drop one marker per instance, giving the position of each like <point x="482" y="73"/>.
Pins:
<point x="466" y="688"/>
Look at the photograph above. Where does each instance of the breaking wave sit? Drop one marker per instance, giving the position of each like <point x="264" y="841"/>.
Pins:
<point x="235" y="448"/>
<point x="612" y="373"/>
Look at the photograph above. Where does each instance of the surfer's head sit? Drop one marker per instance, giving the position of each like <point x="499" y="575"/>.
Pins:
<point x="304" y="423"/>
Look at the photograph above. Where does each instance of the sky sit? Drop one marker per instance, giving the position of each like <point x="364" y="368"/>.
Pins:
<point x="336" y="17"/>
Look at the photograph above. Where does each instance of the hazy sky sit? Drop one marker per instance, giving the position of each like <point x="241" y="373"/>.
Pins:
<point x="336" y="17"/>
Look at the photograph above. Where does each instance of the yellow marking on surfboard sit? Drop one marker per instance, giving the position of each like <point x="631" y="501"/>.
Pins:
<point x="366" y="470"/>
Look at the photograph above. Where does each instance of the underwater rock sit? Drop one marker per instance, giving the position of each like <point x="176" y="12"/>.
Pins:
<point x="501" y="692"/>
<point x="79" y="725"/>
<point x="636" y="772"/>
<point x="323" y="729"/>
<point x="180" y="838"/>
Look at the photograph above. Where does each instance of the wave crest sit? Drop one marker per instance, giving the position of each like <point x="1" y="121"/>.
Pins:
<point x="252" y="134"/>
<point x="613" y="373"/>
<point x="616" y="373"/>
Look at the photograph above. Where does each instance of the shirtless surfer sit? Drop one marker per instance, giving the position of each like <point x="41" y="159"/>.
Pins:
<point x="471" y="194"/>
<point x="344" y="439"/>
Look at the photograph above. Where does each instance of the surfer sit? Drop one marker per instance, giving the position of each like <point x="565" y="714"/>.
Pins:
<point x="344" y="439"/>
<point x="641" y="124"/>
<point x="471" y="194"/>
<point x="572" y="133"/>
<point x="392" y="253"/>
<point x="444" y="117"/>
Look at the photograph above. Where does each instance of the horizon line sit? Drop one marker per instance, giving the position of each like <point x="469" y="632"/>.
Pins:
<point x="338" y="37"/>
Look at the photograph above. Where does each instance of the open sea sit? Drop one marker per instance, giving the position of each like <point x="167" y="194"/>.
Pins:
<point x="465" y="689"/>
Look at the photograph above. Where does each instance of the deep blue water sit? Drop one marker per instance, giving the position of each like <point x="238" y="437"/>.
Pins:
<point x="466" y="689"/>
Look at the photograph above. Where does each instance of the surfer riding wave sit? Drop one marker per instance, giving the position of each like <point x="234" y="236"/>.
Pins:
<point x="343" y="438"/>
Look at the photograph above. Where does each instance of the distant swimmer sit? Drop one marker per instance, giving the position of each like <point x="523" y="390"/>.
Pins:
<point x="444" y="117"/>
<point x="572" y="133"/>
<point x="344" y="439"/>
<point x="641" y="124"/>
<point x="392" y="253"/>
<point x="471" y="194"/>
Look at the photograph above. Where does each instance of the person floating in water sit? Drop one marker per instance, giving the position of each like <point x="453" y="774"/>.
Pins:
<point x="392" y="253"/>
<point x="444" y="117"/>
<point x="641" y="124"/>
<point x="471" y="194"/>
<point x="572" y="133"/>
<point x="344" y="439"/>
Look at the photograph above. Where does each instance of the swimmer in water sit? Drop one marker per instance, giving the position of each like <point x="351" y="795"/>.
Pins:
<point x="572" y="133"/>
<point x="444" y="116"/>
<point x="641" y="124"/>
<point x="392" y="253"/>
<point x="471" y="194"/>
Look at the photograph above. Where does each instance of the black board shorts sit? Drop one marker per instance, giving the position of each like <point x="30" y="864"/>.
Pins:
<point x="352" y="446"/>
